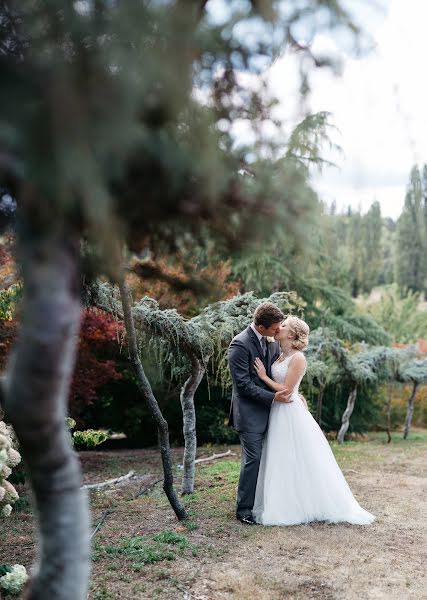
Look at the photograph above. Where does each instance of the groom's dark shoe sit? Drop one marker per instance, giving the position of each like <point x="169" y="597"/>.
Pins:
<point x="247" y="520"/>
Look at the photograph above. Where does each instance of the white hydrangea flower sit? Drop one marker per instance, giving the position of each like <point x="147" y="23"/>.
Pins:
<point x="14" y="458"/>
<point x="5" y="511"/>
<point x="11" y="493"/>
<point x="14" y="581"/>
<point x="4" y="441"/>
<point x="3" y="456"/>
<point x="5" y="471"/>
<point x="9" y="458"/>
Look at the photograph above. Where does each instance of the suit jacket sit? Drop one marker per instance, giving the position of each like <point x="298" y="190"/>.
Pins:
<point x="251" y="397"/>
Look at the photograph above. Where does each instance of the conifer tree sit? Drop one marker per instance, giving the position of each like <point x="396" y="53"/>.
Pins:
<point x="372" y="247"/>
<point x="411" y="257"/>
<point x="356" y="253"/>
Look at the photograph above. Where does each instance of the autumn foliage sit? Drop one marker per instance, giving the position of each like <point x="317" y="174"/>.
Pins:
<point x="7" y="336"/>
<point x="8" y="270"/>
<point x="181" y="296"/>
<point x="99" y="347"/>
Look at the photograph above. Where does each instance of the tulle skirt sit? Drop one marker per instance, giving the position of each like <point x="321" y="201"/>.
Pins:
<point x="299" y="479"/>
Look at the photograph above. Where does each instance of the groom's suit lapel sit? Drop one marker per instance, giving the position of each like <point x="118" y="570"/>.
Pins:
<point x="265" y="359"/>
<point x="255" y="340"/>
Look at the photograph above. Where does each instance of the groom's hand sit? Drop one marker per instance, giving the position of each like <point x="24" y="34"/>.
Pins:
<point x="283" y="396"/>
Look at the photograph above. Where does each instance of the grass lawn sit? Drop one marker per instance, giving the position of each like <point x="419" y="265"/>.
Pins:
<point x="141" y="551"/>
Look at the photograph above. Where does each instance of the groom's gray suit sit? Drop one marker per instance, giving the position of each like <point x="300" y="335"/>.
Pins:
<point x="250" y="408"/>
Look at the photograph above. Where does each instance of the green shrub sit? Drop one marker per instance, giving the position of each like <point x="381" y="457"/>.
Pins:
<point x="89" y="438"/>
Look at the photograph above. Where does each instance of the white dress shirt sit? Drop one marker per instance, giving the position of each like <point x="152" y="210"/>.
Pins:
<point x="260" y="339"/>
<point x="257" y="333"/>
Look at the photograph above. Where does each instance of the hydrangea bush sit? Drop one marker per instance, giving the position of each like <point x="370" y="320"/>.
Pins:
<point x="89" y="438"/>
<point x="12" y="578"/>
<point x="9" y="458"/>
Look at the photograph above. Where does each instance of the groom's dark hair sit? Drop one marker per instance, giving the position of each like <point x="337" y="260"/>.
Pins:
<point x="267" y="313"/>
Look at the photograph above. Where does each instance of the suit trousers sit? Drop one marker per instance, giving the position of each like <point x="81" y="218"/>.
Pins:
<point x="251" y="456"/>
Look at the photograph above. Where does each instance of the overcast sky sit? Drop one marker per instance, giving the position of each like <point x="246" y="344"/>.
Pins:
<point x="379" y="105"/>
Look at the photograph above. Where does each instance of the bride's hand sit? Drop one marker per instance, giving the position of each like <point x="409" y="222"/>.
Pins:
<point x="304" y="400"/>
<point x="259" y="368"/>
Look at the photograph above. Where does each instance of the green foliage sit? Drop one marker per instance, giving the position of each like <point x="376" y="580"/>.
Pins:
<point x="212" y="412"/>
<point x="114" y="132"/>
<point x="22" y="504"/>
<point x="372" y="246"/>
<point x="307" y="139"/>
<point x="71" y="423"/>
<point x="18" y="476"/>
<point x="401" y="317"/>
<point x="143" y="550"/>
<point x="119" y="406"/>
<point x="9" y="298"/>
<point x="86" y="439"/>
<point x="414" y="371"/>
<point x="337" y="367"/>
<point x="367" y="410"/>
<point x="227" y="469"/>
<point x="411" y="267"/>
<point x="171" y="338"/>
<point x="89" y="438"/>
<point x="355" y="327"/>
<point x="349" y="251"/>
<point x="394" y="397"/>
<point x="358" y="252"/>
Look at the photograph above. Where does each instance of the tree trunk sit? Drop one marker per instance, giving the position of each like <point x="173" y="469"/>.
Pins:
<point x="147" y="392"/>
<point x="320" y="405"/>
<point x="189" y="423"/>
<point x="410" y="410"/>
<point x="347" y="414"/>
<point x="390" y="390"/>
<point x="36" y="394"/>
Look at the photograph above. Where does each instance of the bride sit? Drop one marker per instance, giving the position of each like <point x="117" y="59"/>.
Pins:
<point x="299" y="480"/>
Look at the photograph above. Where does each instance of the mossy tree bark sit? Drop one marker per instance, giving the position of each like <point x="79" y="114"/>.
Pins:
<point x="347" y="414"/>
<point x="36" y="393"/>
<point x="147" y="393"/>
<point x="189" y="424"/>
<point x="410" y="410"/>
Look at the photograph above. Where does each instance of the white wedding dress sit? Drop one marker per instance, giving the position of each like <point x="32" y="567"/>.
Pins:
<point x="299" y="479"/>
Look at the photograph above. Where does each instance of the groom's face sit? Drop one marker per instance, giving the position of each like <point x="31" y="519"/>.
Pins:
<point x="270" y="331"/>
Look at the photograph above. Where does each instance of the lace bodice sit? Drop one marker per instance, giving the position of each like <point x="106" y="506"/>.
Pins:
<point x="280" y="368"/>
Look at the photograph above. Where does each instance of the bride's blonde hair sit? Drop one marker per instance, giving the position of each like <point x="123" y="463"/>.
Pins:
<point x="301" y="331"/>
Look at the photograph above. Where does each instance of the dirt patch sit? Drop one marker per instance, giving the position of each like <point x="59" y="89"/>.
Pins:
<point x="141" y="551"/>
<point x="385" y="560"/>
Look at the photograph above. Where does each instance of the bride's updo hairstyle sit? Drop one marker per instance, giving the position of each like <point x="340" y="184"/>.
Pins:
<point x="301" y="330"/>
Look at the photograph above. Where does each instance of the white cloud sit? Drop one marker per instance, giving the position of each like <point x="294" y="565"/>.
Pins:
<point x="379" y="104"/>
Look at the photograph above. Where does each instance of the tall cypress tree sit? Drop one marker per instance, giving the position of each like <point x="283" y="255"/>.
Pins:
<point x="356" y="258"/>
<point x="372" y="247"/>
<point x="410" y="263"/>
<point x="424" y="208"/>
<point x="388" y="269"/>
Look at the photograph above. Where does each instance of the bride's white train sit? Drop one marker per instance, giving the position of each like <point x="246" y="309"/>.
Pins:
<point x="299" y="480"/>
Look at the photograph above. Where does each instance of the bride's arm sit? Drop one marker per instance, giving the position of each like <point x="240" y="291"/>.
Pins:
<point x="260" y="369"/>
<point x="295" y="372"/>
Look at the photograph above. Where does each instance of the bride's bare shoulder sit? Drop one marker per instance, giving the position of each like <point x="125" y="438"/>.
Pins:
<point x="298" y="359"/>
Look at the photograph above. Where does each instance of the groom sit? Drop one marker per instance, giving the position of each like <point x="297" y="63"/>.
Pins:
<point x="251" y="398"/>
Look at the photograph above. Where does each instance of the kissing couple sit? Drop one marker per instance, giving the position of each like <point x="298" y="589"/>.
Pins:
<point x="288" y="474"/>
